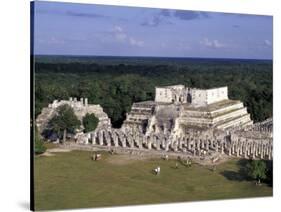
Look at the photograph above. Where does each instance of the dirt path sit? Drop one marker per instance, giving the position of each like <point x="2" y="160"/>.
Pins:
<point x="50" y="152"/>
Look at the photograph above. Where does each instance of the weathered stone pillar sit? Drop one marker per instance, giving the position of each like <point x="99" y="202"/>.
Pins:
<point x="181" y="143"/>
<point x="245" y="150"/>
<point x="229" y="150"/>
<point x="189" y="144"/>
<point x="262" y="151"/>
<point x="86" y="102"/>
<point x="237" y="151"/>
<point x="123" y="140"/>
<point x="93" y="138"/>
<point x="115" y="139"/>
<point x="267" y="149"/>
<point x="158" y="144"/>
<point x="106" y="138"/>
<point x="100" y="137"/>
<point x="175" y="145"/>
<point x="259" y="149"/>
<point x="86" y="140"/>
<point x="148" y="144"/>
<point x="194" y="149"/>
<point x="241" y="149"/>
<point x="140" y="141"/>
<point x="81" y="100"/>
<point x="270" y="154"/>
<point x="167" y="145"/>
<point x="217" y="146"/>
<point x="202" y="144"/>
<point x="198" y="143"/>
<point x="222" y="148"/>
<point x="253" y="153"/>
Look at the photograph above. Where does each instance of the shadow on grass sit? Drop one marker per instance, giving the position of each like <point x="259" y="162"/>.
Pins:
<point x="239" y="175"/>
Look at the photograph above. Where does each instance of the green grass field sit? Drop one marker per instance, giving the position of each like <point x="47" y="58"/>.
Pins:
<point x="73" y="180"/>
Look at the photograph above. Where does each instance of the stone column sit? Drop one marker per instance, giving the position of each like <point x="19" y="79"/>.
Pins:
<point x="193" y="148"/>
<point x="158" y="144"/>
<point x="198" y="144"/>
<point x="241" y="149"/>
<point x="122" y="139"/>
<point x="269" y="154"/>
<point x="189" y="144"/>
<point x="167" y="146"/>
<point x="86" y="140"/>
<point x="262" y="152"/>
<point x="140" y="138"/>
<point x="148" y="144"/>
<point x="175" y="145"/>
<point x="254" y="151"/>
<point x="267" y="149"/>
<point x="93" y="138"/>
<point x="180" y="143"/>
<point x="217" y="146"/>
<point x="86" y="102"/>
<point x="212" y="143"/>
<point x="229" y="150"/>
<point x="115" y="139"/>
<point x="82" y="102"/>
<point x="222" y="148"/>
<point x="245" y="150"/>
<point x="237" y="151"/>
<point x="100" y="137"/>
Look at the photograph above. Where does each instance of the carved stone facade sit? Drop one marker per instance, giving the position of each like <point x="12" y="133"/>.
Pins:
<point x="172" y="113"/>
<point x="184" y="120"/>
<point x="81" y="108"/>
<point x="180" y="94"/>
<point x="242" y="143"/>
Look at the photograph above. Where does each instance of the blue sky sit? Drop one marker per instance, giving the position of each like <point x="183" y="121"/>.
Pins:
<point x="88" y="29"/>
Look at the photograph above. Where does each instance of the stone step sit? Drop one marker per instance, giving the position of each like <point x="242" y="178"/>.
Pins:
<point x="234" y="121"/>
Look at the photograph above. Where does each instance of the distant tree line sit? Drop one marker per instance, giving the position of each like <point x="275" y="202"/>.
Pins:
<point x="115" y="87"/>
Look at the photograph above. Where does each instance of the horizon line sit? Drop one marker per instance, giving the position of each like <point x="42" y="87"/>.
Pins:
<point x="84" y="55"/>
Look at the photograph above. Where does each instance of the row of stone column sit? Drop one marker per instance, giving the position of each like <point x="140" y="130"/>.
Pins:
<point x="262" y="149"/>
<point x="158" y="142"/>
<point x="233" y="147"/>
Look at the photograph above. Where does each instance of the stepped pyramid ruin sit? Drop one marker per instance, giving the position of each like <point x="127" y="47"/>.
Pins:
<point x="189" y="122"/>
<point x="177" y="109"/>
<point x="81" y="108"/>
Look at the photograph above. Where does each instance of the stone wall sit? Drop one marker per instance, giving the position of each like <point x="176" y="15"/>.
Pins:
<point x="197" y="97"/>
<point x="171" y="94"/>
<point x="81" y="108"/>
<point x="193" y="143"/>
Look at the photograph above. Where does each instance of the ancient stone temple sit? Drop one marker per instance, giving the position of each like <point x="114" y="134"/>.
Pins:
<point x="177" y="109"/>
<point x="187" y="121"/>
<point x="81" y="108"/>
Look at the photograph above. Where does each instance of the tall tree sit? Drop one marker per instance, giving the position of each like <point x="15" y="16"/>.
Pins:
<point x="257" y="170"/>
<point x="64" y="121"/>
<point x="39" y="147"/>
<point x="90" y="122"/>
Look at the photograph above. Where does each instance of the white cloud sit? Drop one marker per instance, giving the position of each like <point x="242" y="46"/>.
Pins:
<point x="118" y="29"/>
<point x="51" y="40"/>
<point x="212" y="43"/>
<point x="135" y="42"/>
<point x="267" y="43"/>
<point x="119" y="33"/>
<point x="121" y="36"/>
